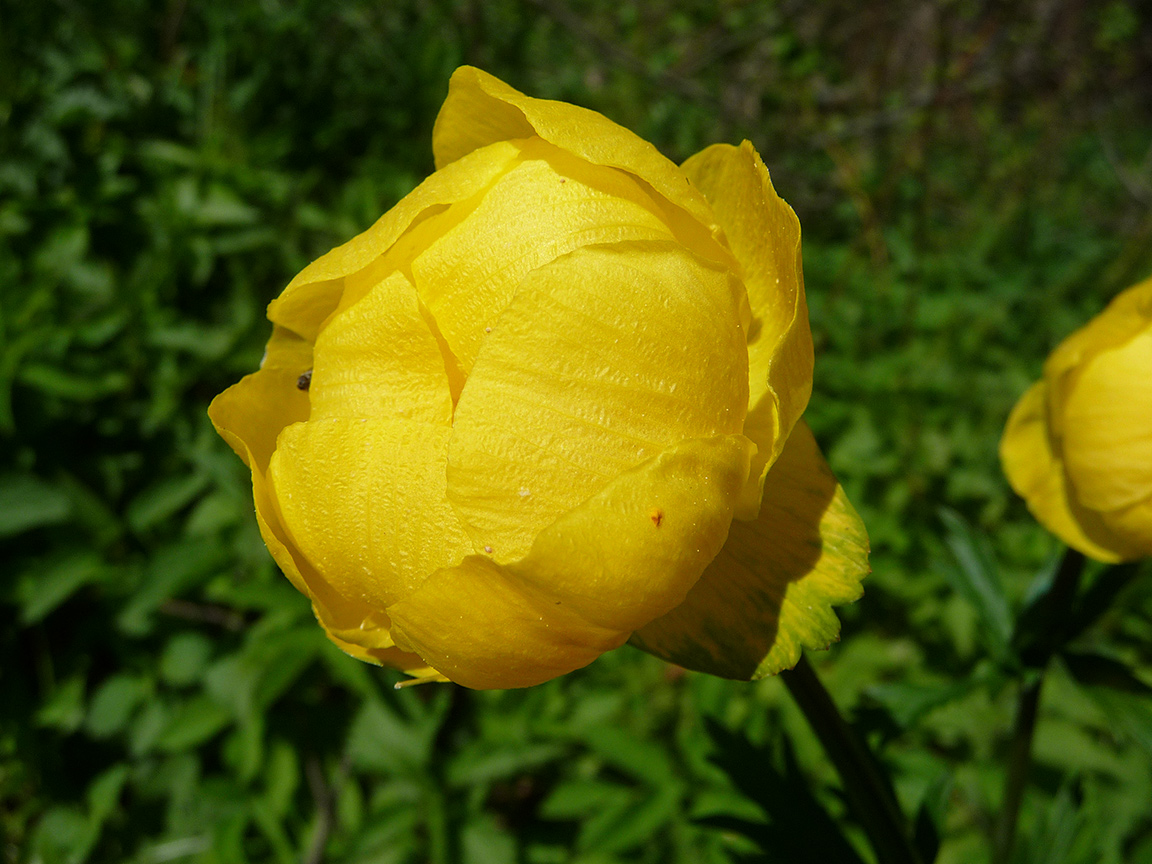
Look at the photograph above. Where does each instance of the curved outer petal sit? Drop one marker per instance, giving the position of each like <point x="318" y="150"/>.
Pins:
<point x="315" y="292"/>
<point x="378" y="359"/>
<point x="360" y="485"/>
<point x="1037" y="475"/>
<point x="363" y="501"/>
<point x="628" y="554"/>
<point x="1129" y="313"/>
<point x="481" y="109"/>
<point x="770" y="590"/>
<point x="548" y="205"/>
<point x="605" y="358"/>
<point x="764" y="235"/>
<point x="1134" y="524"/>
<point x="1107" y="425"/>
<point x="250" y="416"/>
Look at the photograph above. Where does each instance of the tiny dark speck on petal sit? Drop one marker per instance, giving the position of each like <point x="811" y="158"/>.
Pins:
<point x="657" y="516"/>
<point x="304" y="381"/>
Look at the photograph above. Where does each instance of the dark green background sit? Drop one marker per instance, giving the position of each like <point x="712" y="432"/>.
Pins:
<point x="974" y="181"/>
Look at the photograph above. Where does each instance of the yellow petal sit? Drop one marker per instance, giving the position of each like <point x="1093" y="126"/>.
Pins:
<point x="346" y="621"/>
<point x="770" y="590"/>
<point x="626" y="555"/>
<point x="480" y="628"/>
<point x="1134" y="524"/>
<point x="315" y="292"/>
<point x="389" y="656"/>
<point x="250" y="414"/>
<point x="481" y="109"/>
<point x="363" y="502"/>
<point x="1128" y="314"/>
<point x="764" y="235"/>
<point x="1107" y="415"/>
<point x="550" y="204"/>
<point x="378" y="359"/>
<point x="1036" y="473"/>
<point x="604" y="359"/>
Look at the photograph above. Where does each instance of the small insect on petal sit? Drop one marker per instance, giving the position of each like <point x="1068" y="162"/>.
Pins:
<point x="304" y="381"/>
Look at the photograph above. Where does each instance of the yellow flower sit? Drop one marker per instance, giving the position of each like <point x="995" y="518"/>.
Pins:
<point x="1078" y="445"/>
<point x="507" y="427"/>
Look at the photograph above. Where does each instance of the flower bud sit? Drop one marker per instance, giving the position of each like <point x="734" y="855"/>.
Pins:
<point x="509" y="426"/>
<point x="1078" y="444"/>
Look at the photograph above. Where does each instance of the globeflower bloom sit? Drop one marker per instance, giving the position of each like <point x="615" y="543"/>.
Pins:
<point x="509" y="427"/>
<point x="1078" y="444"/>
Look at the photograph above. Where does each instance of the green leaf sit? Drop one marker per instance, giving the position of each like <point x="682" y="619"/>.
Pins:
<point x="906" y="702"/>
<point x="114" y="703"/>
<point x="192" y="723"/>
<point x="1098" y="670"/>
<point x="1124" y="698"/>
<point x="26" y="502"/>
<point x="65" y="384"/>
<point x="104" y="793"/>
<point x="799" y="830"/>
<point x="577" y="798"/>
<point x="931" y="818"/>
<point x="64" y="708"/>
<point x="380" y="740"/>
<point x="41" y="589"/>
<point x="185" y="657"/>
<point x="634" y="825"/>
<point x="1042" y="627"/>
<point x="483" y="842"/>
<point x="637" y="758"/>
<point x="162" y="500"/>
<point x="65" y="835"/>
<point x="172" y="570"/>
<point x="976" y="579"/>
<point x="481" y="763"/>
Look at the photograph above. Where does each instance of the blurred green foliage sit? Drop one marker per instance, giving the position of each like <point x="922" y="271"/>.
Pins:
<point x="974" y="182"/>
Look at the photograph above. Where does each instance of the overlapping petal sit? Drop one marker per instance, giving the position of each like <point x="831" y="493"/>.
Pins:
<point x="481" y="109"/>
<point x="1107" y="428"/>
<point x="604" y="358"/>
<point x="551" y="203"/>
<point x="250" y="416"/>
<point x="626" y="555"/>
<point x="764" y="235"/>
<point x="770" y="591"/>
<point x="316" y="290"/>
<point x="1037" y="475"/>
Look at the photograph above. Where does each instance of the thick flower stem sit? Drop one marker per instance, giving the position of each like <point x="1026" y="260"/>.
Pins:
<point x="1019" y="762"/>
<point x="1057" y="618"/>
<point x="869" y="794"/>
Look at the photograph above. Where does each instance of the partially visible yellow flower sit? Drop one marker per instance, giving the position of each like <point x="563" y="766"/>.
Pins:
<point x="1078" y="445"/>
<point x="508" y="427"/>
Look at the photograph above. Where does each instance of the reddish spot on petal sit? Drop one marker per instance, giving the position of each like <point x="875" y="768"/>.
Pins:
<point x="657" y="516"/>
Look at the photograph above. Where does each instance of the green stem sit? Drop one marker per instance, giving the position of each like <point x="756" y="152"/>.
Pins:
<point x="869" y="794"/>
<point x="1019" y="763"/>
<point x="1058" y="618"/>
